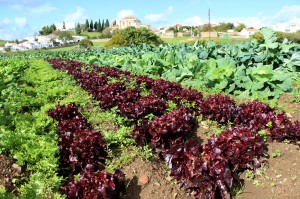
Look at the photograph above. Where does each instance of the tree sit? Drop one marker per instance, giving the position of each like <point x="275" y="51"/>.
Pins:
<point x="85" y="43"/>
<point x="99" y="26"/>
<point x="53" y="27"/>
<point x="223" y="27"/>
<point x="106" y="33"/>
<point x="95" y="25"/>
<point x="91" y="25"/>
<point x="78" y="29"/>
<point x="87" y="25"/>
<point x="106" y="24"/>
<point x="64" y="25"/>
<point x="205" y="28"/>
<point x="64" y="35"/>
<point x="102" y="25"/>
<point x="133" y="36"/>
<point x="46" y="30"/>
<point x="240" y="27"/>
<point x="8" y="49"/>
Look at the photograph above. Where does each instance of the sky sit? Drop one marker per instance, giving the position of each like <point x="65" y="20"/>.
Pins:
<point x="21" y="18"/>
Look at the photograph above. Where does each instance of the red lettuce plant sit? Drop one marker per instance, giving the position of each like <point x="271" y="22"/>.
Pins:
<point x="220" y="108"/>
<point x="240" y="146"/>
<point x="260" y="116"/>
<point x="79" y="144"/>
<point x="145" y="105"/>
<point x="178" y="123"/>
<point x="146" y="80"/>
<point x="141" y="133"/>
<point x="254" y="115"/>
<point x="94" y="185"/>
<point x="202" y="172"/>
<point x="110" y="95"/>
<point x="165" y="89"/>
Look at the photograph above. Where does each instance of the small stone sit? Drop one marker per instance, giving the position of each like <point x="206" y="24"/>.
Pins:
<point x="169" y="178"/>
<point x="285" y="179"/>
<point x="143" y="180"/>
<point x="175" y="195"/>
<point x="16" y="167"/>
<point x="156" y="183"/>
<point x="278" y="176"/>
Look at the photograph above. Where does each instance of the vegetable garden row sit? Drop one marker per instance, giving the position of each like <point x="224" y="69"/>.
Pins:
<point x="250" y="69"/>
<point x="202" y="169"/>
<point x="71" y="157"/>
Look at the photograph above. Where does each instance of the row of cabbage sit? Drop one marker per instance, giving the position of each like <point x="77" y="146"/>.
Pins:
<point x="250" y="69"/>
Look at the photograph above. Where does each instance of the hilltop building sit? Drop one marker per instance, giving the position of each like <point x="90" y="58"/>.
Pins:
<point x="127" y="22"/>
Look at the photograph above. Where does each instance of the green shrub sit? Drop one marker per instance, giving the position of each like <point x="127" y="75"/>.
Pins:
<point x="133" y="36"/>
<point x="85" y="43"/>
<point x="116" y="40"/>
<point x="258" y="36"/>
<point x="294" y="37"/>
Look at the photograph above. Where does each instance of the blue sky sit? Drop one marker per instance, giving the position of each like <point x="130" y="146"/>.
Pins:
<point x="21" y="18"/>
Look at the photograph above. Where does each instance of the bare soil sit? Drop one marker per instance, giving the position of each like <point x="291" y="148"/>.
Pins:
<point x="11" y="174"/>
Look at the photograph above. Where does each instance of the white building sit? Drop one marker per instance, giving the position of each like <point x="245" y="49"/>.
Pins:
<point x="247" y="32"/>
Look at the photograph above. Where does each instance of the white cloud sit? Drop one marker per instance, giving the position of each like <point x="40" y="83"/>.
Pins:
<point x="194" y="21"/>
<point x="282" y="19"/>
<point x="14" y="28"/>
<point x="20" y="21"/>
<point x="16" y="22"/>
<point x="124" y="13"/>
<point x="287" y="13"/>
<point x="41" y="9"/>
<point x="77" y="16"/>
<point x="159" y="17"/>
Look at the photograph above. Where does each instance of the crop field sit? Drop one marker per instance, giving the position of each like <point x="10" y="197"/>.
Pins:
<point x="204" y="120"/>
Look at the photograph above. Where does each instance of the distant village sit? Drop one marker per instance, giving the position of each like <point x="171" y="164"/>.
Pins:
<point x="178" y="30"/>
<point x="39" y="42"/>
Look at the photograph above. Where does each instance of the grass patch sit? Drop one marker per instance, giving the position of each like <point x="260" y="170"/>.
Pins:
<point x="99" y="43"/>
<point x="90" y="34"/>
<point x="191" y="40"/>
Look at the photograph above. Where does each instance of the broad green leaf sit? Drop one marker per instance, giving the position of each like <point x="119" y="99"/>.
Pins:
<point x="262" y="73"/>
<point x="223" y="84"/>
<point x="257" y="86"/>
<point x="269" y="35"/>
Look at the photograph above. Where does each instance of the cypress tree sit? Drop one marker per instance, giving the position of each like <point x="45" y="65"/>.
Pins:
<point x="102" y="28"/>
<point x="95" y="25"/>
<point x="86" y="25"/>
<point x="91" y="25"/>
<point x="106" y="23"/>
<point x="77" y="29"/>
<point x="99" y="26"/>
